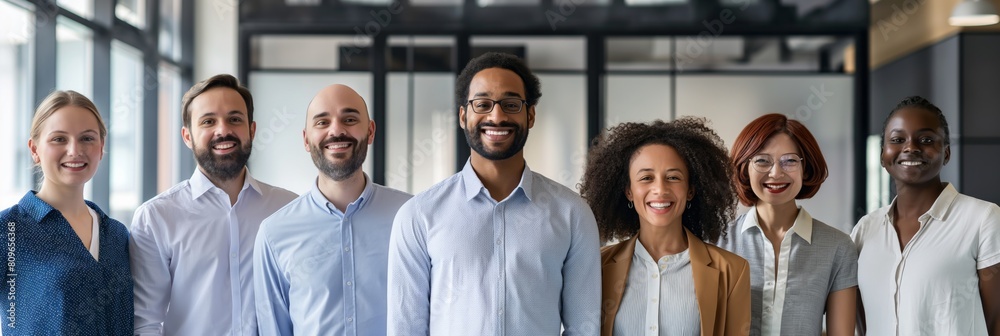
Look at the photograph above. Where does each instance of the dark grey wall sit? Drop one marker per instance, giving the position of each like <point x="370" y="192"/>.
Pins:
<point x="934" y="73"/>
<point x="980" y="122"/>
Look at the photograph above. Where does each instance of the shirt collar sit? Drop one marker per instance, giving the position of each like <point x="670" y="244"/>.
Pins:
<point x="200" y="184"/>
<point x="938" y="210"/>
<point x="38" y="208"/>
<point x="323" y="202"/>
<point x="803" y="225"/>
<point x="474" y="186"/>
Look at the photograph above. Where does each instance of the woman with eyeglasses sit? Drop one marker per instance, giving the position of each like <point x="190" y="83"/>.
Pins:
<point x="67" y="270"/>
<point x="662" y="189"/>
<point x="800" y="268"/>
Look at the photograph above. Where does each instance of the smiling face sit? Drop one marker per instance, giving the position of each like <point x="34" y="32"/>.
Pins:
<point x="221" y="134"/>
<point x="777" y="186"/>
<point x="658" y="185"/>
<point x="914" y="149"/>
<point x="496" y="135"/>
<point x="69" y="147"/>
<point x="338" y="132"/>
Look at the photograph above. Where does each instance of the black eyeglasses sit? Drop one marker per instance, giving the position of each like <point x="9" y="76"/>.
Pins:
<point x="508" y="105"/>
<point x="789" y="162"/>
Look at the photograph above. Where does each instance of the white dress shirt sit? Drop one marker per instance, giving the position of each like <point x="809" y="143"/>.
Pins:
<point x="192" y="251"/>
<point x="659" y="297"/>
<point x="931" y="287"/>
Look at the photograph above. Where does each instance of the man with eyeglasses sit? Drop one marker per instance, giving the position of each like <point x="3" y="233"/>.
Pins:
<point x="495" y="249"/>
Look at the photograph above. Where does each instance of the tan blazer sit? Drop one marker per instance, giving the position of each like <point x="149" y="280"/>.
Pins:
<point x="721" y="284"/>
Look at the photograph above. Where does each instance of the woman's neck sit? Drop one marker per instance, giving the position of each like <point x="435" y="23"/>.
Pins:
<point x="776" y="218"/>
<point x="660" y="241"/>
<point x="67" y="199"/>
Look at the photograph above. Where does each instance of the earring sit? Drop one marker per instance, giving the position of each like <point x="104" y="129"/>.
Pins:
<point x="629" y="204"/>
<point x="689" y="205"/>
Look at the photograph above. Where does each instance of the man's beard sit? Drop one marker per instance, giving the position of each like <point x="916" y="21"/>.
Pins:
<point x="223" y="167"/>
<point x="339" y="171"/>
<point x="474" y="137"/>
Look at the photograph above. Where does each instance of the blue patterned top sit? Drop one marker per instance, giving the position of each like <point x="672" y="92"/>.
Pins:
<point x="52" y="285"/>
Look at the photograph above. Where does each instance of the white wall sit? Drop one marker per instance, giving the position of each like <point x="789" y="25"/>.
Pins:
<point x="731" y="102"/>
<point x="215" y="38"/>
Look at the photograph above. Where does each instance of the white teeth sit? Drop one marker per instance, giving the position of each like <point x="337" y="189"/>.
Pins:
<point x="225" y="146"/>
<point x="659" y="205"/>
<point x="911" y="163"/>
<point x="74" y="165"/>
<point x="337" y="146"/>
<point x="775" y="186"/>
<point x="489" y="132"/>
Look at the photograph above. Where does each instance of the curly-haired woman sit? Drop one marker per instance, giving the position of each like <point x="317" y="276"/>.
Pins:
<point x="663" y="190"/>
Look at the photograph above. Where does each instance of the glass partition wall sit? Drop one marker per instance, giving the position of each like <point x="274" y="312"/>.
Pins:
<point x="600" y="63"/>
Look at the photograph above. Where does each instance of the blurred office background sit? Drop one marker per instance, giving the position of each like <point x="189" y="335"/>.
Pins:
<point x="838" y="66"/>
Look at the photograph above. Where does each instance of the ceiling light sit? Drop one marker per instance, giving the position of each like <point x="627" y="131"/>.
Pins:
<point x="974" y="13"/>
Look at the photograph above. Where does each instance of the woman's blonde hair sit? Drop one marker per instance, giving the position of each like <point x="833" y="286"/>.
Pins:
<point x="59" y="99"/>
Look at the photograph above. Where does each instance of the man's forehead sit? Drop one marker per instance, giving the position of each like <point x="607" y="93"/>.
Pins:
<point x="337" y="104"/>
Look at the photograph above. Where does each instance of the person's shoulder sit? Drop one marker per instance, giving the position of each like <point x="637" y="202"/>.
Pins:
<point x="10" y="214"/>
<point x="968" y="204"/>
<point x="831" y="234"/>
<point x="167" y="200"/>
<point x="116" y="228"/>
<point x="609" y="251"/>
<point x="291" y="208"/>
<point x="269" y="191"/>
<point x="544" y="183"/>
<point x="391" y="194"/>
<point x="443" y="189"/>
<point x="726" y="259"/>
<point x="868" y="221"/>
<point x="732" y="230"/>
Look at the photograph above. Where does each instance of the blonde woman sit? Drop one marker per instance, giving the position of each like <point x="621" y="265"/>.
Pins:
<point x="67" y="269"/>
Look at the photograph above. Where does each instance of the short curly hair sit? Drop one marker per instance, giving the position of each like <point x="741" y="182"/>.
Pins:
<point x="606" y="177"/>
<point x="753" y="138"/>
<point x="532" y="86"/>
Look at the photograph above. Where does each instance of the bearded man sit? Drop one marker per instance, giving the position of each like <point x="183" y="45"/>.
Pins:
<point x="320" y="262"/>
<point x="192" y="245"/>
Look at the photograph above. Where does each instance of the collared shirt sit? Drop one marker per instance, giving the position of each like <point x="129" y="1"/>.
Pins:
<point x="931" y="287"/>
<point x="52" y="285"/>
<point x="461" y="263"/>
<point x="659" y="297"/>
<point x="191" y="251"/>
<point x="813" y="260"/>
<point x="320" y="271"/>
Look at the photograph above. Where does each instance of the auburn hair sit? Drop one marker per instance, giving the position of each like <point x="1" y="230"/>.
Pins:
<point x="753" y="138"/>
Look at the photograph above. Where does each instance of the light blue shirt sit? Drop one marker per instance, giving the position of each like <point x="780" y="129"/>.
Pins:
<point x="320" y="271"/>
<point x="461" y="263"/>
<point x="191" y="254"/>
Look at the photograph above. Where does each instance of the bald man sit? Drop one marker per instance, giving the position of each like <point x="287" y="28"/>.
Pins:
<point x="320" y="262"/>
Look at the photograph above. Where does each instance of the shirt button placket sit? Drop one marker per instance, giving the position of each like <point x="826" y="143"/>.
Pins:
<point x="498" y="232"/>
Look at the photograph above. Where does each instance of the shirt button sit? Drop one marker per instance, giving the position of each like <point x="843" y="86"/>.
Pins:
<point x="652" y="327"/>
<point x="348" y="283"/>
<point x="232" y="255"/>
<point x="347" y="249"/>
<point x="655" y="275"/>
<point x="499" y="241"/>
<point x="350" y="319"/>
<point x="769" y="283"/>
<point x="653" y="299"/>
<point x="500" y="312"/>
